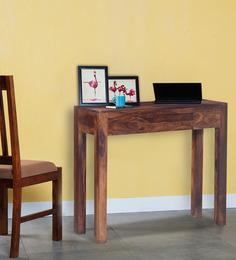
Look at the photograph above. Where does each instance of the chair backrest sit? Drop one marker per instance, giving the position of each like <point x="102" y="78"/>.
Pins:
<point x="13" y="158"/>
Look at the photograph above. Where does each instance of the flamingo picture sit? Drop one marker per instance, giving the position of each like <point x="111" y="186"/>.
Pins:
<point x="93" y="83"/>
<point x="127" y="86"/>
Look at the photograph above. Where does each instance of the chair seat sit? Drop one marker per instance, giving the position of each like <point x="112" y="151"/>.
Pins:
<point x="28" y="168"/>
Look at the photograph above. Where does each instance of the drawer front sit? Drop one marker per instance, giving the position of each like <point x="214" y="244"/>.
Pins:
<point x="149" y="122"/>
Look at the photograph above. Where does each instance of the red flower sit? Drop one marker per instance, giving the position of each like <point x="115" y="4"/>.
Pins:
<point x="131" y="92"/>
<point x="122" y="88"/>
<point x="113" y="88"/>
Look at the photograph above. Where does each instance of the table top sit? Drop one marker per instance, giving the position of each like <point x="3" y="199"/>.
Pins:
<point x="150" y="117"/>
<point x="151" y="105"/>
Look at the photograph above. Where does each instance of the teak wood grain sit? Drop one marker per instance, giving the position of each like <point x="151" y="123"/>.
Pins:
<point x="197" y="167"/>
<point x="147" y="118"/>
<point x="17" y="181"/>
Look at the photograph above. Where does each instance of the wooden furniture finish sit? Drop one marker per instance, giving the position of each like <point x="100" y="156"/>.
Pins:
<point x="17" y="182"/>
<point x="147" y="118"/>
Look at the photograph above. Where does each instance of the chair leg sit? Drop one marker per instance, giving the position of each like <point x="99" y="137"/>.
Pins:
<point x="16" y="221"/>
<point x="3" y="209"/>
<point x="57" y="207"/>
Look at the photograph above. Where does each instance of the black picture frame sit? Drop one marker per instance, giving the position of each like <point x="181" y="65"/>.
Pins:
<point x="93" y="85"/>
<point x="120" y="80"/>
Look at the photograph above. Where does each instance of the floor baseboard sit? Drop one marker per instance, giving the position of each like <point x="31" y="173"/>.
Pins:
<point x="125" y="205"/>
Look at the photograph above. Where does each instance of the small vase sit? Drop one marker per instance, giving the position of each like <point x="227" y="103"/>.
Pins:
<point x="120" y="101"/>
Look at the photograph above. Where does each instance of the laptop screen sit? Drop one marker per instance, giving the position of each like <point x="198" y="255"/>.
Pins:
<point x="178" y="92"/>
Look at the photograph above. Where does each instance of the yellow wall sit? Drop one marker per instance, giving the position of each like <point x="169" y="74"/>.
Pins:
<point x="43" y="41"/>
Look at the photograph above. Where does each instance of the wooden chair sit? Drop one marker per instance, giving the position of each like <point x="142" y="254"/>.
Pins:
<point x="17" y="174"/>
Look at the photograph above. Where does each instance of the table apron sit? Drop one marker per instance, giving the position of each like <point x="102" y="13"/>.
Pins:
<point x="162" y="122"/>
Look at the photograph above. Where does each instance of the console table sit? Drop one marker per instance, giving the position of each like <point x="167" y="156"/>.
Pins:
<point x="146" y="118"/>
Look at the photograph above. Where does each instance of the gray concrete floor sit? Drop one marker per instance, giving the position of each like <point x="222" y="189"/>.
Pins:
<point x="142" y="236"/>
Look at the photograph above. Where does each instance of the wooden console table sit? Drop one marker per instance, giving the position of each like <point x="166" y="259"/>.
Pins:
<point x="148" y="117"/>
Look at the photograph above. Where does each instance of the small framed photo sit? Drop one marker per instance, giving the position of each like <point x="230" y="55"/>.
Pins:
<point x="124" y="85"/>
<point x="93" y="85"/>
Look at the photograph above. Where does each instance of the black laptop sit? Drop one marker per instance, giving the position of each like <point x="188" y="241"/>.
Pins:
<point x="178" y="93"/>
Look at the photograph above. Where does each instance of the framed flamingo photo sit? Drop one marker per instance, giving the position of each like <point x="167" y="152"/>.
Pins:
<point x="124" y="85"/>
<point x="93" y="85"/>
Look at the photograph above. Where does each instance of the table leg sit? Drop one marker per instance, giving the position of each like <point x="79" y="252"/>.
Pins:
<point x="220" y="171"/>
<point x="79" y="179"/>
<point x="100" y="184"/>
<point x="197" y="166"/>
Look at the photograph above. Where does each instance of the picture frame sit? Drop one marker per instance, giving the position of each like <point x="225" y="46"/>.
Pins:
<point x="130" y="88"/>
<point x="93" y="85"/>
